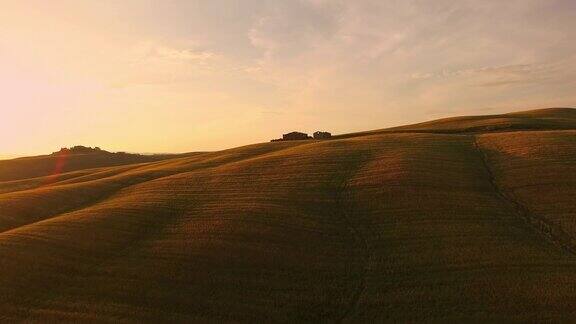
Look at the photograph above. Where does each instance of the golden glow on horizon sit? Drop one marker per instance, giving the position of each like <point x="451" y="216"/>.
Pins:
<point x="175" y="76"/>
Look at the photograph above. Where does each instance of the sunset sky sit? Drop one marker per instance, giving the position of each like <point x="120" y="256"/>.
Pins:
<point x="192" y="75"/>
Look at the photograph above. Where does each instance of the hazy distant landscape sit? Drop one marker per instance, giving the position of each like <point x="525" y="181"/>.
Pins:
<point x="459" y="219"/>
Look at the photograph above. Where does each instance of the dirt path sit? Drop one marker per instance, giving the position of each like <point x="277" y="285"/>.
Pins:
<point x="543" y="227"/>
<point x="361" y="242"/>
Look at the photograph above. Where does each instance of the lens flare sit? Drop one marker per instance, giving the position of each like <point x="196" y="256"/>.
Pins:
<point x="60" y="162"/>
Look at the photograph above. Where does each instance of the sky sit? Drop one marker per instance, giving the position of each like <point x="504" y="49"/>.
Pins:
<point x="197" y="75"/>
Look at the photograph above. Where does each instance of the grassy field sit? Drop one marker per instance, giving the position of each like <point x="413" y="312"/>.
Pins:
<point x="60" y="164"/>
<point x="463" y="219"/>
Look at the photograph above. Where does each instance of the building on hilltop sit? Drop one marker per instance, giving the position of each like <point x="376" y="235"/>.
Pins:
<point x="298" y="136"/>
<point x="322" y="135"/>
<point x="295" y="136"/>
<point x="292" y="136"/>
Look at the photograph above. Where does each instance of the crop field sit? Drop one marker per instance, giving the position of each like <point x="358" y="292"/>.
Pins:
<point x="462" y="219"/>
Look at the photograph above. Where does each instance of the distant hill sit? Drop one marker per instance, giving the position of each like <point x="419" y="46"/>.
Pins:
<point x="540" y="119"/>
<point x="469" y="219"/>
<point x="67" y="160"/>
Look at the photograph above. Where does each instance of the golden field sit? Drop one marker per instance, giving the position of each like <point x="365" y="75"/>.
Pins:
<point x="461" y="219"/>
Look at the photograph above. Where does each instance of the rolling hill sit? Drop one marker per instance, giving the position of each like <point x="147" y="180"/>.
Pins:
<point x="68" y="160"/>
<point x="461" y="219"/>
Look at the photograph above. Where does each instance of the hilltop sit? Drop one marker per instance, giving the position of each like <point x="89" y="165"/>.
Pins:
<point x="455" y="220"/>
<point x="531" y="120"/>
<point x="70" y="159"/>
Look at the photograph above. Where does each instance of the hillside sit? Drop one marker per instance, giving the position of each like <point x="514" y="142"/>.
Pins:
<point x="68" y="160"/>
<point x="540" y="119"/>
<point x="462" y="219"/>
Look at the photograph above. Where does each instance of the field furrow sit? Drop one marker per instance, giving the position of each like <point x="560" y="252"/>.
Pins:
<point x="546" y="229"/>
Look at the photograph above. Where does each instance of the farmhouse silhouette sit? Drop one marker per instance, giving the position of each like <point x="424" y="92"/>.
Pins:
<point x="299" y="136"/>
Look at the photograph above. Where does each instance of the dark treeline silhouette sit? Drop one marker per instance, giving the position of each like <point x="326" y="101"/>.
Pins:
<point x="80" y="149"/>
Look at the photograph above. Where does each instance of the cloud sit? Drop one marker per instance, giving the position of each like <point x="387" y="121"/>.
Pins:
<point x="503" y="75"/>
<point x="406" y="55"/>
<point x="154" y="54"/>
<point x="155" y="63"/>
<point x="289" y="29"/>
